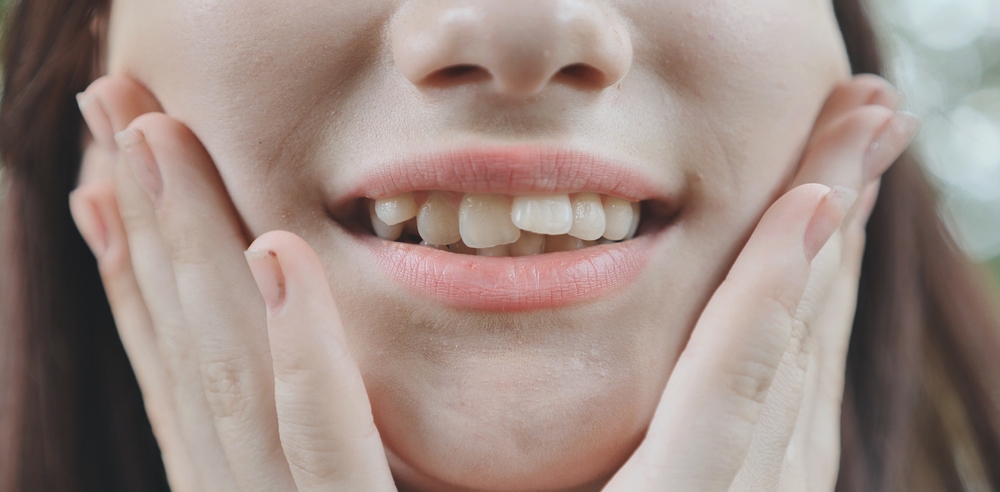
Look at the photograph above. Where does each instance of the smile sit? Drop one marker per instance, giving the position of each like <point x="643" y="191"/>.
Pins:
<point x="509" y="229"/>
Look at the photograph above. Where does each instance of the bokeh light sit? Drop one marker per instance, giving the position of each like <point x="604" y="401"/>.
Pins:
<point x="945" y="58"/>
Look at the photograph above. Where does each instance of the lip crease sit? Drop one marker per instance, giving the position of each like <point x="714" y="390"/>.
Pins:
<point x="509" y="284"/>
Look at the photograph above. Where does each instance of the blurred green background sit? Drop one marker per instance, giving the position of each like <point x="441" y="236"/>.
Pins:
<point x="946" y="61"/>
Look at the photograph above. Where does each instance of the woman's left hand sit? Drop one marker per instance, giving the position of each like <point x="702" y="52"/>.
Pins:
<point x="754" y="401"/>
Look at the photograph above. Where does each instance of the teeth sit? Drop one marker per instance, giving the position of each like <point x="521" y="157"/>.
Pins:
<point x="548" y="214"/>
<point x="410" y="227"/>
<point x="498" y="225"/>
<point x="383" y="230"/>
<point x="502" y="250"/>
<point x="484" y="221"/>
<point x="461" y="249"/>
<point x="588" y="217"/>
<point x="635" y="221"/>
<point x="396" y="209"/>
<point x="434" y="246"/>
<point x="437" y="222"/>
<point x="618" y="214"/>
<point x="555" y="244"/>
<point x="528" y="244"/>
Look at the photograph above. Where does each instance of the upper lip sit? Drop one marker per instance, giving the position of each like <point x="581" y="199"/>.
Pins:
<point x="506" y="170"/>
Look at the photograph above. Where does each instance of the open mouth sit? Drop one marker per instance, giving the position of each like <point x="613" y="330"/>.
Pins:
<point x="487" y="224"/>
<point x="508" y="229"/>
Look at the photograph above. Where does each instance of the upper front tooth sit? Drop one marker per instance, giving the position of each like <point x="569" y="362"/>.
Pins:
<point x="437" y="221"/>
<point x="396" y="209"/>
<point x="588" y="217"/>
<point x="618" y="213"/>
<point x="545" y="214"/>
<point x="484" y="221"/>
<point x="383" y="230"/>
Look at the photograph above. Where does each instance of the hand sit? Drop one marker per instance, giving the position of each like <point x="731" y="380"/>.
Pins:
<point x="233" y="385"/>
<point x="753" y="403"/>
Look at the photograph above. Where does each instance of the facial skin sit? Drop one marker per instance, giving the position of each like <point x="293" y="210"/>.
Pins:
<point x="712" y="101"/>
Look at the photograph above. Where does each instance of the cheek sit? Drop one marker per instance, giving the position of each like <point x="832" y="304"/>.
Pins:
<point x="256" y="80"/>
<point x="747" y="80"/>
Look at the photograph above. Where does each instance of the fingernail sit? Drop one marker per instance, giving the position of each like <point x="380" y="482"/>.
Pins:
<point x="97" y="121"/>
<point x="92" y="226"/>
<point x="135" y="150"/>
<point x="827" y="219"/>
<point x="889" y="144"/>
<point x="267" y="273"/>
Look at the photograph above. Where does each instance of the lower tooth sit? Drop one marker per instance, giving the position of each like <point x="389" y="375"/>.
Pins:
<point x="528" y="244"/>
<point x="461" y="248"/>
<point x="383" y="230"/>
<point x="434" y="246"/>
<point x="502" y="250"/>
<point x="565" y="242"/>
<point x="410" y="227"/>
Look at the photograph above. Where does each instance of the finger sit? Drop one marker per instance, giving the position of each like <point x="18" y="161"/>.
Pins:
<point x="217" y="293"/>
<point x="860" y="90"/>
<point x="325" y="419"/>
<point x="835" y="154"/>
<point x="814" y="449"/>
<point x="95" y="212"/>
<point x="109" y="104"/>
<point x="785" y="411"/>
<point x="700" y="433"/>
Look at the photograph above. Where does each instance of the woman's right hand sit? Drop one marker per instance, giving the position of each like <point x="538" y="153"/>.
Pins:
<point x="243" y="393"/>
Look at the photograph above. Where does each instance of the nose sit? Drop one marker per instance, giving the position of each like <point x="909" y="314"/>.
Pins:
<point x="514" y="47"/>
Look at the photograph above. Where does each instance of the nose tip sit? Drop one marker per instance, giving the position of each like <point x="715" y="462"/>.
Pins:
<point x="514" y="47"/>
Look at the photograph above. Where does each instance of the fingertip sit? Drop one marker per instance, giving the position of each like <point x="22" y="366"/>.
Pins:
<point x="122" y="98"/>
<point x="827" y="218"/>
<point x="88" y="220"/>
<point x="288" y="266"/>
<point x="267" y="274"/>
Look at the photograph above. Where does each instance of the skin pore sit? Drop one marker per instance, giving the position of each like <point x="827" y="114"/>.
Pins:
<point x="711" y="102"/>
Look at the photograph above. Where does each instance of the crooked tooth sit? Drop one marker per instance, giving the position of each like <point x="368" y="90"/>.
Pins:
<point x="383" y="230"/>
<point x="542" y="214"/>
<point x="502" y="250"/>
<point x="588" y="217"/>
<point x="528" y="244"/>
<point x="461" y="248"/>
<point x="437" y="222"/>
<point x="484" y="221"/>
<point x="635" y="221"/>
<point x="565" y="242"/>
<point x="396" y="209"/>
<point x="618" y="214"/>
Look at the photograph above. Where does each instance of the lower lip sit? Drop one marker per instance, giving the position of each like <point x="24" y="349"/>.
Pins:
<point x="509" y="284"/>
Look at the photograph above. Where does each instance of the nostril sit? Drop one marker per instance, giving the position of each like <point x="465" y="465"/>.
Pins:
<point x="457" y="74"/>
<point x="582" y="75"/>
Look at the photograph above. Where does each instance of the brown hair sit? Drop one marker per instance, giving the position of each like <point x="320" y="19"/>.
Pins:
<point x="920" y="411"/>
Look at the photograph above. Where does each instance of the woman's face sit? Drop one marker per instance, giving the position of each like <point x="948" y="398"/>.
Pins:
<point x="532" y="372"/>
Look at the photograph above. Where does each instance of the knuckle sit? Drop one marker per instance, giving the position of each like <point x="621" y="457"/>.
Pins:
<point x="225" y="382"/>
<point x="751" y="380"/>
